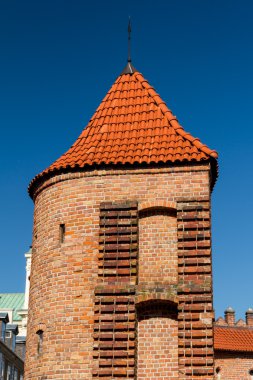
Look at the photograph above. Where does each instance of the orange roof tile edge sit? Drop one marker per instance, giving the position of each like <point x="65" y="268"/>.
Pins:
<point x="124" y="130"/>
<point x="173" y="121"/>
<point x="233" y="338"/>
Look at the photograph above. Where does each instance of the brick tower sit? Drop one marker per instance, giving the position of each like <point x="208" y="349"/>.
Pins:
<point x="121" y="281"/>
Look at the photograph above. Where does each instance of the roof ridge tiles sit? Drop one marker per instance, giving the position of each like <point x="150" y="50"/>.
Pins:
<point x="235" y="327"/>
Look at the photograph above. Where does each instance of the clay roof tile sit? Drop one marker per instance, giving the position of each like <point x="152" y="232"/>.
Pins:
<point x="233" y="338"/>
<point x="131" y="118"/>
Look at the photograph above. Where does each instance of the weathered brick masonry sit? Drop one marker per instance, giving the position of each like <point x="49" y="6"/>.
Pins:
<point x="195" y="289"/>
<point x="70" y="279"/>
<point x="121" y="279"/>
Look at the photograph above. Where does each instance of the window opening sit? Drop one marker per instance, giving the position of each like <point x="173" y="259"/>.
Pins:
<point x="13" y="343"/>
<point x="9" y="371"/>
<point x="15" y="374"/>
<point x="40" y="341"/>
<point x="1" y="366"/>
<point x="218" y="372"/>
<point x="62" y="233"/>
<point x="3" y="331"/>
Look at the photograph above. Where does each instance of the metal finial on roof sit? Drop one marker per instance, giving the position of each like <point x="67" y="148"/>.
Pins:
<point x="129" y="40"/>
<point x="129" y="69"/>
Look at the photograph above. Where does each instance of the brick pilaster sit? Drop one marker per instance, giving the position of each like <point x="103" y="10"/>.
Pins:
<point x="114" y="327"/>
<point x="195" y="291"/>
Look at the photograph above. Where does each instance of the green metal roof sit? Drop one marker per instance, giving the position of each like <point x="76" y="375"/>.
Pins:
<point x="14" y="301"/>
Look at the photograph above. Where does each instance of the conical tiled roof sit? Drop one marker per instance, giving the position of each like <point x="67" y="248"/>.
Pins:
<point x="132" y="125"/>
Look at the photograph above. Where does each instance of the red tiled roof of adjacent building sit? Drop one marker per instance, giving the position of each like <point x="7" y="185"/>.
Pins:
<point x="131" y="125"/>
<point x="233" y="339"/>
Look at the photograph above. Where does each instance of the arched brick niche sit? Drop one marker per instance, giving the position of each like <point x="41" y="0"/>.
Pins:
<point x="157" y="204"/>
<point x="157" y="339"/>
<point x="158" y="261"/>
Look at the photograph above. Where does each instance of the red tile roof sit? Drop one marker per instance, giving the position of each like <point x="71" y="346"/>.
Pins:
<point x="131" y="125"/>
<point x="233" y="338"/>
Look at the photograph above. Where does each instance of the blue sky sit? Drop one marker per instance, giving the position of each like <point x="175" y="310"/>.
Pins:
<point x="58" y="60"/>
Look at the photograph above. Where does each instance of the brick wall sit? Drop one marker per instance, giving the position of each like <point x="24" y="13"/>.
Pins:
<point x="64" y="275"/>
<point x="115" y="317"/>
<point x="157" y="342"/>
<point x="158" y="246"/>
<point x="233" y="365"/>
<point x="195" y="310"/>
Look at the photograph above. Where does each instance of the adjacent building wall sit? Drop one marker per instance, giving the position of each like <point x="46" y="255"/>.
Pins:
<point x="233" y="365"/>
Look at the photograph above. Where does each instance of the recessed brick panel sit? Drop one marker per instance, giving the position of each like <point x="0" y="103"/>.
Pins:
<point x="157" y="342"/>
<point x="158" y="246"/>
